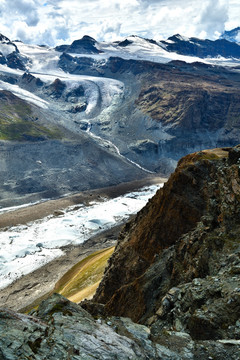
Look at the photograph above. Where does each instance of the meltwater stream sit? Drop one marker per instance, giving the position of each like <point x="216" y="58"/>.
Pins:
<point x="25" y="248"/>
<point x="115" y="148"/>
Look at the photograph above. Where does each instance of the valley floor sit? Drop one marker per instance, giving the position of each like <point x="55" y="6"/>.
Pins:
<point x="41" y="282"/>
<point x="24" y="215"/>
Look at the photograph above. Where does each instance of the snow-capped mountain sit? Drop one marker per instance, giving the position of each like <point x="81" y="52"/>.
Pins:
<point x="92" y="113"/>
<point x="176" y="47"/>
<point x="202" y="48"/>
<point x="10" y="55"/>
<point x="232" y="35"/>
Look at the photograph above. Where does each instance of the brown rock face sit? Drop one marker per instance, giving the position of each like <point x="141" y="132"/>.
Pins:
<point x="176" y="237"/>
<point x="183" y="102"/>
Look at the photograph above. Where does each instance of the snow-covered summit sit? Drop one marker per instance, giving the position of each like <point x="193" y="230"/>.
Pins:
<point x="7" y="46"/>
<point x="42" y="59"/>
<point x="202" y="48"/>
<point x="10" y="55"/>
<point x="232" y="35"/>
<point x="176" y="47"/>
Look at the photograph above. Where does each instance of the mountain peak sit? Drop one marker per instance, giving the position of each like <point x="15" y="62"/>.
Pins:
<point x="88" y="38"/>
<point x="202" y="48"/>
<point x="85" y="45"/>
<point x="232" y="35"/>
<point x="4" y="38"/>
<point x="178" y="37"/>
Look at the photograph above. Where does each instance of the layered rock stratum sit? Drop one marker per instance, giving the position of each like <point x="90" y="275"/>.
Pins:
<point x="171" y="289"/>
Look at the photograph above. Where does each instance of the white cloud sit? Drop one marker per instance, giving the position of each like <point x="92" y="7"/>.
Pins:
<point x="59" y="21"/>
<point x="213" y="17"/>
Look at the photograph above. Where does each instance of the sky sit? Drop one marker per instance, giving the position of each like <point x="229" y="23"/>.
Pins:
<point x="54" y="22"/>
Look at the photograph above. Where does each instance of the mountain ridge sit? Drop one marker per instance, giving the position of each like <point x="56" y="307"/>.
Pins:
<point x="183" y="288"/>
<point x="139" y="102"/>
<point x="231" y="35"/>
<point x="187" y="231"/>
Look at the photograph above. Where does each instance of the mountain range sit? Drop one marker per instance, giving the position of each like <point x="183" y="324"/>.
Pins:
<point x="111" y="112"/>
<point x="90" y="114"/>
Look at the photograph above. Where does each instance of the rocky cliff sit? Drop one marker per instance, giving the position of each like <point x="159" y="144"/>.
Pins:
<point x="176" y="264"/>
<point x="172" y="287"/>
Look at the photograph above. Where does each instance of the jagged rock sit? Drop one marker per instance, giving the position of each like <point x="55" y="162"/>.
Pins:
<point x="56" y="89"/>
<point x="145" y="146"/>
<point x="30" y="82"/>
<point x="13" y="61"/>
<point x="78" y="108"/>
<point x="176" y="265"/>
<point x="62" y="330"/>
<point x="125" y="43"/>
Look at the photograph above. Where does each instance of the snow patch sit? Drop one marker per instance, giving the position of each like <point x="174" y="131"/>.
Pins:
<point x="8" y="70"/>
<point x="24" y="94"/>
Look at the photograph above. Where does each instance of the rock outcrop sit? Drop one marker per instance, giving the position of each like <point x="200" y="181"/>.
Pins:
<point x="171" y="289"/>
<point x="10" y="55"/>
<point x="176" y="264"/>
<point x="63" y="330"/>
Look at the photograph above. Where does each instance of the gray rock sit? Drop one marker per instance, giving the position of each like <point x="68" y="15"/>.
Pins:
<point x="63" y="330"/>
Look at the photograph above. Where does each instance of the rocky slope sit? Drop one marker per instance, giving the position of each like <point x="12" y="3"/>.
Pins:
<point x="53" y="168"/>
<point x="176" y="265"/>
<point x="175" y="272"/>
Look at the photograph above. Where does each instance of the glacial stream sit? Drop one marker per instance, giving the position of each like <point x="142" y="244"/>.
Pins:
<point x="115" y="148"/>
